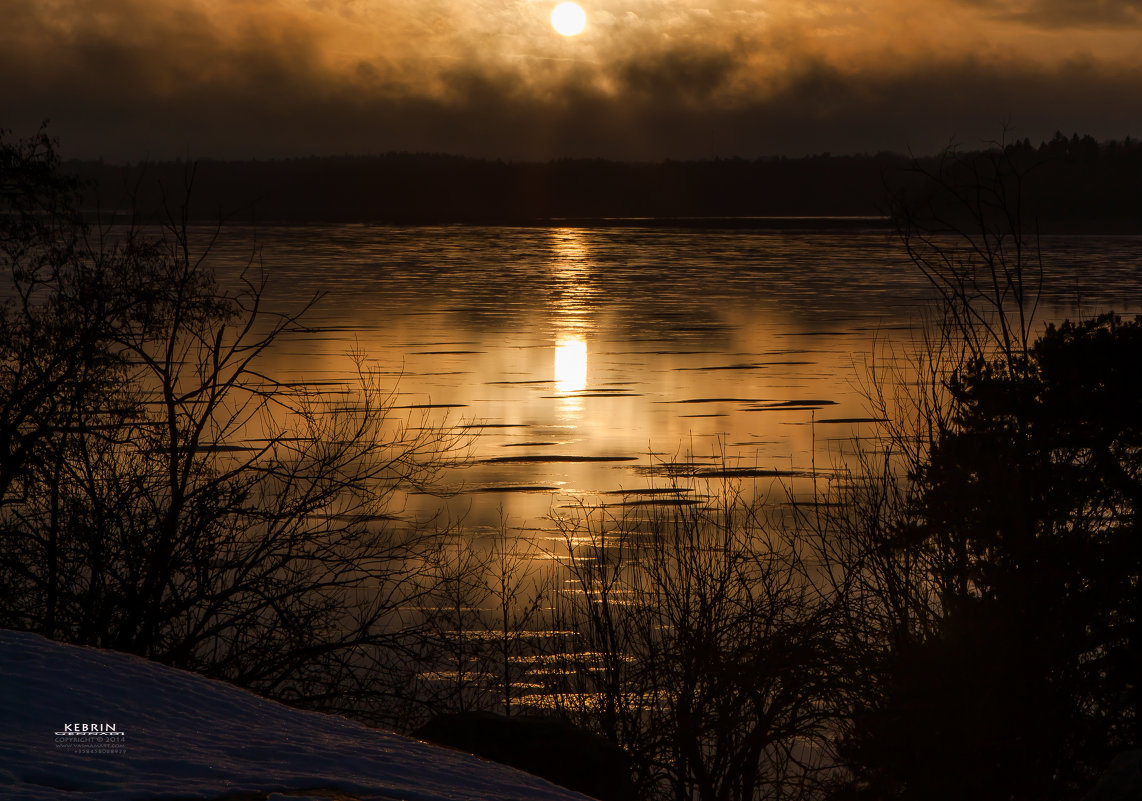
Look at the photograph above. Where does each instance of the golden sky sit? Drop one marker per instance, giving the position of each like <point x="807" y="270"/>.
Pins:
<point x="647" y="79"/>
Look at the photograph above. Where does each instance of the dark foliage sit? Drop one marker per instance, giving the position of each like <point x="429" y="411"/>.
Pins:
<point x="1077" y="184"/>
<point x="547" y="747"/>
<point x="1029" y="505"/>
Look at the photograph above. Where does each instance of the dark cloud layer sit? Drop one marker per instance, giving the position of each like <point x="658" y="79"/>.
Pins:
<point x="126" y="79"/>
<point x="1067" y="13"/>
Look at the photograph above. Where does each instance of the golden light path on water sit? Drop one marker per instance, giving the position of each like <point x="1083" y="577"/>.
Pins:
<point x="571" y="268"/>
<point x="583" y="360"/>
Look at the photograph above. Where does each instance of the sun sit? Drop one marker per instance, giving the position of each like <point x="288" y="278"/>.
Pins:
<point x="568" y="19"/>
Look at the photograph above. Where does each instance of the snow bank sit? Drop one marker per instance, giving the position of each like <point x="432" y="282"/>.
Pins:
<point x="157" y="732"/>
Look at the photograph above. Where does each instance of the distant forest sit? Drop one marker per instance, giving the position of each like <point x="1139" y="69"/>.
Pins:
<point x="1072" y="184"/>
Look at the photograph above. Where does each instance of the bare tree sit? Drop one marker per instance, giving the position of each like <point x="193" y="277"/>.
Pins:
<point x="695" y="639"/>
<point x="164" y="496"/>
<point x="968" y="227"/>
<point x="520" y="588"/>
<point x="980" y="550"/>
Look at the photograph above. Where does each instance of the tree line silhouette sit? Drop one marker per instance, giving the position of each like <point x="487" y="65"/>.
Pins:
<point x="1077" y="183"/>
<point x="954" y="615"/>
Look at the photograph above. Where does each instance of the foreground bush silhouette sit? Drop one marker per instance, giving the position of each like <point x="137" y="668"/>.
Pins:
<point x="547" y="747"/>
<point x="1029" y="683"/>
<point x="691" y="634"/>
<point x="992" y="564"/>
<point x="161" y="495"/>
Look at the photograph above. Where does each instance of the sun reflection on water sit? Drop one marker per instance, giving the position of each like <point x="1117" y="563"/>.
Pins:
<point x="571" y="364"/>
<point x="573" y="294"/>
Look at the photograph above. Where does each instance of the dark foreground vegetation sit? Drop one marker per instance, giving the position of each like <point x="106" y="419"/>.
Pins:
<point x="956" y="616"/>
<point x="1074" y="183"/>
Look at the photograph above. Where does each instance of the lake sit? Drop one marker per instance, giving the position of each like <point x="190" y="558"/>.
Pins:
<point x="585" y="360"/>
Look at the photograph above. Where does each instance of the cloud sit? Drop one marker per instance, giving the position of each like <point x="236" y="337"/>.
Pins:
<point x="650" y="79"/>
<point x="1053" y="14"/>
<point x="688" y="76"/>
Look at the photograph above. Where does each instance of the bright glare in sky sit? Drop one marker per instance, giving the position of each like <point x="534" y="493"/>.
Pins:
<point x="568" y="19"/>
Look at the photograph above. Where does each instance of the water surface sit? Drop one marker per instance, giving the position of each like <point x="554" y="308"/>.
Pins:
<point x="585" y="360"/>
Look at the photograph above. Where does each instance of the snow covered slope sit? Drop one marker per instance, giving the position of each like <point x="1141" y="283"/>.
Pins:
<point x="157" y="732"/>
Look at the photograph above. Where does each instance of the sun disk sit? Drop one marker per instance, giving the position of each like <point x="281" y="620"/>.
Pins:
<point x="568" y="19"/>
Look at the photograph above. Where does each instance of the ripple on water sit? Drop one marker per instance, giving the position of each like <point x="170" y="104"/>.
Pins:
<point x="672" y="321"/>
<point x="555" y="458"/>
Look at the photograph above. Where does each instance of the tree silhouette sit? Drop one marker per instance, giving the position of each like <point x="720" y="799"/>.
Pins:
<point x="1029" y="507"/>
<point x="1002" y="573"/>
<point x="160" y="494"/>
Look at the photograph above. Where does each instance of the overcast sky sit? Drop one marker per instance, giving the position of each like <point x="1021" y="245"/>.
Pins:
<point x="648" y="79"/>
